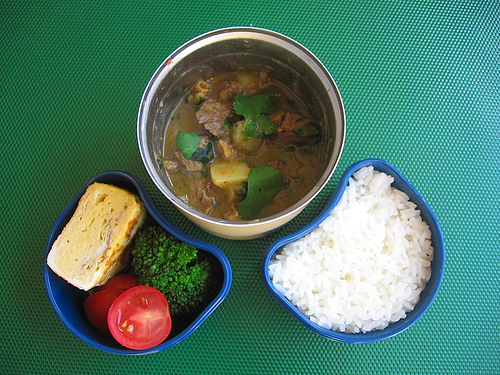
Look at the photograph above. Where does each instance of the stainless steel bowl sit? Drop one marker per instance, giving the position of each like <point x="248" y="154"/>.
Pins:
<point x="226" y="50"/>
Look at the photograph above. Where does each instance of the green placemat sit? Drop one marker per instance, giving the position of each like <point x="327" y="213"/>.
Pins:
<point x="421" y="87"/>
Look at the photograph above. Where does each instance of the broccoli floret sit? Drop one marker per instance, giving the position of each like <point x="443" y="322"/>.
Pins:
<point x="174" y="268"/>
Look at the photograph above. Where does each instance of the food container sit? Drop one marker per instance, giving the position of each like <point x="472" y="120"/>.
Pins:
<point x="230" y="49"/>
<point x="67" y="300"/>
<point x="437" y="266"/>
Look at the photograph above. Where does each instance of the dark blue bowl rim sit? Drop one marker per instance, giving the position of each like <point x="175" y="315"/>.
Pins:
<point x="109" y="177"/>
<point x="432" y="286"/>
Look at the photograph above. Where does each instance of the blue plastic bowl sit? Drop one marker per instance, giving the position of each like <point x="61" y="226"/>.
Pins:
<point x="437" y="267"/>
<point x="67" y="300"/>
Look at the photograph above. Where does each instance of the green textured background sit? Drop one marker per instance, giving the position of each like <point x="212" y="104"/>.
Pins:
<point x="421" y="88"/>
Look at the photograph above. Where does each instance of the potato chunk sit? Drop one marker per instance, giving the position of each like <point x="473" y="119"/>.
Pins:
<point x="225" y="173"/>
<point x="249" y="81"/>
<point x="242" y="141"/>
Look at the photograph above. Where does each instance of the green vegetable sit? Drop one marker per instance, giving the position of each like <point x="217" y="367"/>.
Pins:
<point x="174" y="268"/>
<point x="228" y="122"/>
<point x="308" y="130"/>
<point x="204" y="154"/>
<point x="254" y="109"/>
<point x="190" y="146"/>
<point x="263" y="184"/>
<point x="188" y="143"/>
<point x="199" y="99"/>
<point x="159" y="163"/>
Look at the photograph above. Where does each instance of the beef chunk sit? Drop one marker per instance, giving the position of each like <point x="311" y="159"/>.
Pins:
<point x="228" y="148"/>
<point x="295" y="128"/>
<point x="212" y="115"/>
<point x="204" y="201"/>
<point x="170" y="165"/>
<point x="190" y="165"/>
<point x="229" y="91"/>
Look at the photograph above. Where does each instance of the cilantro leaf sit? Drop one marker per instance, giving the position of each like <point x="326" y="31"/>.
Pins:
<point x="263" y="184"/>
<point x="254" y="109"/>
<point x="188" y="143"/>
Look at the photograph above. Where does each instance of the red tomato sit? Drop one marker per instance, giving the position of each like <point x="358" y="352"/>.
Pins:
<point x="96" y="308"/>
<point x="140" y="318"/>
<point x="124" y="281"/>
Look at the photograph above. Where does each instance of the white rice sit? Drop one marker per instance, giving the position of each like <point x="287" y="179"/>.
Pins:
<point x="365" y="266"/>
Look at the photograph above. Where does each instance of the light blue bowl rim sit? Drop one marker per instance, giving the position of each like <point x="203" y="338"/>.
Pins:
<point x="438" y="264"/>
<point x="110" y="177"/>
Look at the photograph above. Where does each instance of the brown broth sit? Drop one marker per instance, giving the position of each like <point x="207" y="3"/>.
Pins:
<point x="298" y="160"/>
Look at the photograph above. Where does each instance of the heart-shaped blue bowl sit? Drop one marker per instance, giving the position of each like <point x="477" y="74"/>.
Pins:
<point x="67" y="300"/>
<point x="437" y="267"/>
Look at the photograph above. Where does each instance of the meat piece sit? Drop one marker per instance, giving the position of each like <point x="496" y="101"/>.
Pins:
<point x="170" y="165"/>
<point x="228" y="148"/>
<point x="212" y="115"/>
<point x="229" y="90"/>
<point x="190" y="165"/>
<point x="289" y="122"/>
<point x="204" y="201"/>
<point x="204" y="140"/>
<point x="294" y="128"/>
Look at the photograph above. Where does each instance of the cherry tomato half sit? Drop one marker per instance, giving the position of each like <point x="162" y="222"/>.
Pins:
<point x="140" y="318"/>
<point x="96" y="308"/>
<point x="124" y="281"/>
<point x="97" y="305"/>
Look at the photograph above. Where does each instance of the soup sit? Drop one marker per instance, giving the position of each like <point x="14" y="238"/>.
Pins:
<point x="241" y="146"/>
